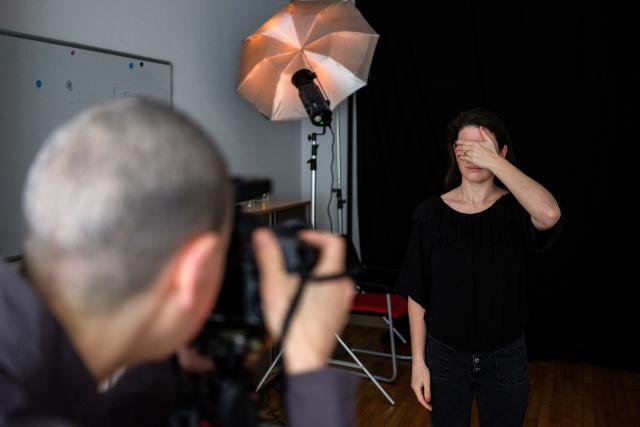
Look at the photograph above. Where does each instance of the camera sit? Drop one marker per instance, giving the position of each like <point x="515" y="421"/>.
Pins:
<point x="236" y="325"/>
<point x="234" y="334"/>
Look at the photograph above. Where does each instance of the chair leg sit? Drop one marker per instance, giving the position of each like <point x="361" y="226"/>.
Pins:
<point x="395" y="331"/>
<point x="394" y="363"/>
<point x="381" y="354"/>
<point x="393" y="355"/>
<point x="361" y="366"/>
<point x="340" y="362"/>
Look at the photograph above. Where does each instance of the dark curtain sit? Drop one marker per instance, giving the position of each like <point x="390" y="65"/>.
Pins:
<point x="548" y="72"/>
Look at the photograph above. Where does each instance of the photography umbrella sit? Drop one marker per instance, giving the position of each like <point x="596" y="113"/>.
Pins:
<point x="330" y="38"/>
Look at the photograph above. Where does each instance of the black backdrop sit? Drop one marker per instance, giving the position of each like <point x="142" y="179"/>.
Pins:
<point x="549" y="74"/>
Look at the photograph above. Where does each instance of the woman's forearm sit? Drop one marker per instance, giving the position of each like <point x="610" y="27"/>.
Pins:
<point x="418" y="330"/>
<point x="536" y="199"/>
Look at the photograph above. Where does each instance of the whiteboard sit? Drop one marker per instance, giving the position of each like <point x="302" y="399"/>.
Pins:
<point x="42" y="84"/>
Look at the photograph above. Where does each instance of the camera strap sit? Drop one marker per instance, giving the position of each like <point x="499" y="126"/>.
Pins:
<point x="329" y="277"/>
<point x="304" y="280"/>
<point x="293" y="306"/>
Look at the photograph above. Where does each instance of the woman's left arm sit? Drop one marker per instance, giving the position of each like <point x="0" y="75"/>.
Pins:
<point x="537" y="200"/>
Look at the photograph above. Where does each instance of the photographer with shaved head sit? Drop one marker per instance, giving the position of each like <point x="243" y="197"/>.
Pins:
<point x="129" y="215"/>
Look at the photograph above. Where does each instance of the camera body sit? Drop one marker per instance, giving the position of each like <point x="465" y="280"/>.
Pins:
<point x="235" y="330"/>
<point x="236" y="326"/>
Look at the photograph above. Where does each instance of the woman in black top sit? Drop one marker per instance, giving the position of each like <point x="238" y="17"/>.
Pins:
<point x="464" y="275"/>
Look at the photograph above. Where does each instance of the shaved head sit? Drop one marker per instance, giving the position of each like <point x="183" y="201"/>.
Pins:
<point x="114" y="193"/>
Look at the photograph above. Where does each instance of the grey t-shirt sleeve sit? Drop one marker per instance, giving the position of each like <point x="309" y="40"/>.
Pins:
<point x="321" y="398"/>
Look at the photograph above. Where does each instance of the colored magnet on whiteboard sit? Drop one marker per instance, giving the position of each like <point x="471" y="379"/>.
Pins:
<point x="73" y="52"/>
<point x="131" y="65"/>
<point x="38" y="83"/>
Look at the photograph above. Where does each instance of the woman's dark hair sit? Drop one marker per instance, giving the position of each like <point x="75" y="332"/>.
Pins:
<point x="475" y="117"/>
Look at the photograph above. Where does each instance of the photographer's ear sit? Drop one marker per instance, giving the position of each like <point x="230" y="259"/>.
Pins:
<point x="197" y="274"/>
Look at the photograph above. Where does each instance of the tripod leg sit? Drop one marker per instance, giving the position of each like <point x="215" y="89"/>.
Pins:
<point x="273" y="365"/>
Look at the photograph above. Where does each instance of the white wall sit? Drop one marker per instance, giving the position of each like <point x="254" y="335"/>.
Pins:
<point x="201" y="38"/>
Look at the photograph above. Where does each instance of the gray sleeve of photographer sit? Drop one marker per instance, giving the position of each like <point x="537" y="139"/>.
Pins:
<point x="321" y="398"/>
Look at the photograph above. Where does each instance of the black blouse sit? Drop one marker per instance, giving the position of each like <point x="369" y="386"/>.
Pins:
<point x="468" y="271"/>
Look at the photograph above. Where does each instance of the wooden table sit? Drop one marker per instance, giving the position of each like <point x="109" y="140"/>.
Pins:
<point x="276" y="210"/>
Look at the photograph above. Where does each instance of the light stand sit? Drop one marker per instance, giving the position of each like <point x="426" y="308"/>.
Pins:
<point x="317" y="107"/>
<point x="313" y="167"/>
<point x="338" y="188"/>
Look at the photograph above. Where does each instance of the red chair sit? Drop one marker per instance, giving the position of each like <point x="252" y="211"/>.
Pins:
<point x="390" y="306"/>
<point x="375" y="298"/>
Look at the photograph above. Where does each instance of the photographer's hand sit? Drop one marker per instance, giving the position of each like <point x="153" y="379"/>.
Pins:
<point x="323" y="308"/>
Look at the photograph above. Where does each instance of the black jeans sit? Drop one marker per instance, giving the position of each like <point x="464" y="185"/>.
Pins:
<point x="498" y="380"/>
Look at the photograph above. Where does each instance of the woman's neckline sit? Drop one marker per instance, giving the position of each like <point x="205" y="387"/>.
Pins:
<point x="475" y="213"/>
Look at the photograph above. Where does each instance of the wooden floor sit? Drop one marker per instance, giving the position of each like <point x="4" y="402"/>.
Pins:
<point x="561" y="393"/>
